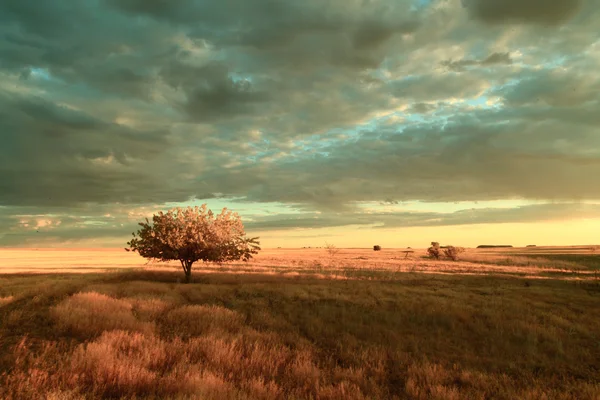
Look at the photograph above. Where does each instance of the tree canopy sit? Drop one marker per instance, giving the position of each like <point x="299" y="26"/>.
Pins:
<point x="194" y="234"/>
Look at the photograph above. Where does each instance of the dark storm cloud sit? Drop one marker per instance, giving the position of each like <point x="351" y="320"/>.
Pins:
<point x="468" y="158"/>
<point x="282" y="51"/>
<point x="545" y="12"/>
<point x="287" y="34"/>
<point x="211" y="92"/>
<point x="492" y="59"/>
<point x="266" y="24"/>
<point x="374" y="34"/>
<point x="316" y="104"/>
<point x="555" y="88"/>
<point x="422" y="108"/>
<point x="81" y="43"/>
<point x="52" y="154"/>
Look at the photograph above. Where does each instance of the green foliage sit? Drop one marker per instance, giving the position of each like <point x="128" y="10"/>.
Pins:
<point x="194" y="234"/>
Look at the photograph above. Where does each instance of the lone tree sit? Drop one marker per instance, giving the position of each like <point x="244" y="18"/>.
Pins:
<point x="194" y="234"/>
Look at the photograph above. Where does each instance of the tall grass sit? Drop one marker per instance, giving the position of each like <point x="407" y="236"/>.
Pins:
<point x="5" y="300"/>
<point x="521" y="261"/>
<point x="196" y="320"/>
<point x="140" y="335"/>
<point x="89" y="314"/>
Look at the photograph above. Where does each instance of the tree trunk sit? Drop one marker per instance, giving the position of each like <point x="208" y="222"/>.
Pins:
<point x="187" y="270"/>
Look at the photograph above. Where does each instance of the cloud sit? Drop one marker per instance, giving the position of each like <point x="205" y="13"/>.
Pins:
<point x="110" y="105"/>
<point x="528" y="11"/>
<point x="398" y="219"/>
<point x="88" y="225"/>
<point x="53" y="154"/>
<point x="492" y="59"/>
<point x="566" y="88"/>
<point x="465" y="159"/>
<point x="430" y="87"/>
<point x="212" y="94"/>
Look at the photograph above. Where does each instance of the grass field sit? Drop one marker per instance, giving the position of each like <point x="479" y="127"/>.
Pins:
<point x="301" y="324"/>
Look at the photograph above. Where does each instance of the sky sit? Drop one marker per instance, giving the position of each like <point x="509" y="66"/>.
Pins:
<point x="350" y="122"/>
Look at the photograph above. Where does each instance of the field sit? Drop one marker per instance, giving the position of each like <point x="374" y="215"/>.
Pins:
<point x="301" y="324"/>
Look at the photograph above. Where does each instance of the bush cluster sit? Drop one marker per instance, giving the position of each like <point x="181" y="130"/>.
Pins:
<point x="451" y="252"/>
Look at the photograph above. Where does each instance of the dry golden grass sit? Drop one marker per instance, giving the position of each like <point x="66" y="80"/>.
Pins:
<point x="196" y="320"/>
<point x="533" y="262"/>
<point x="66" y="260"/>
<point x="304" y="325"/>
<point x="149" y="309"/>
<point x="5" y="300"/>
<point x="89" y="314"/>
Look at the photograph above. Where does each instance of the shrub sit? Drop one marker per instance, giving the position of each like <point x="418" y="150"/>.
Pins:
<point x="452" y="252"/>
<point x="331" y="249"/>
<point x="376" y="247"/>
<point x="193" y="234"/>
<point x="434" y="250"/>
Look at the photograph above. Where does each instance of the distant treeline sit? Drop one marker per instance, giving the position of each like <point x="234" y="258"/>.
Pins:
<point x="492" y="246"/>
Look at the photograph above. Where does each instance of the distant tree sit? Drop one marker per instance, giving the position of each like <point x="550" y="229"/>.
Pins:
<point x="194" y="234"/>
<point x="434" y="250"/>
<point x="331" y="250"/>
<point x="377" y="247"/>
<point x="453" y="252"/>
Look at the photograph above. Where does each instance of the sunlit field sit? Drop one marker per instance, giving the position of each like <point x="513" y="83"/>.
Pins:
<point x="302" y="324"/>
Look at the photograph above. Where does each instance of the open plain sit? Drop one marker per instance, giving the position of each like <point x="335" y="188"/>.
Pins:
<point x="301" y="324"/>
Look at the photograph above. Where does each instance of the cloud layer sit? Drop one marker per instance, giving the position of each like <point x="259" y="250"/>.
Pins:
<point x="321" y="107"/>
